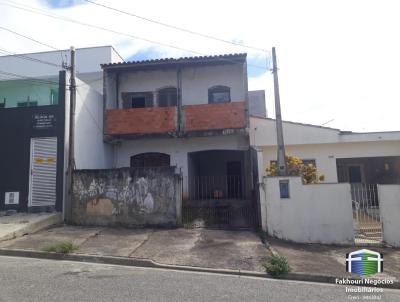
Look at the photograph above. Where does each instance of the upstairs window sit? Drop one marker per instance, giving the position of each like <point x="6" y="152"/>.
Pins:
<point x="219" y="94"/>
<point x="137" y="99"/>
<point x="167" y="97"/>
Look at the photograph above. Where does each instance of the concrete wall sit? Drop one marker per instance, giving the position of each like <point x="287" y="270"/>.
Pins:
<point x="177" y="148"/>
<point x="90" y="150"/>
<point x="389" y="200"/>
<point x="129" y="197"/>
<point x="319" y="213"/>
<point x="195" y="83"/>
<point x="257" y="105"/>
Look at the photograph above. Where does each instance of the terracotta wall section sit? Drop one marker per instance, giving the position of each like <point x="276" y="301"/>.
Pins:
<point x="215" y="116"/>
<point x="141" y="120"/>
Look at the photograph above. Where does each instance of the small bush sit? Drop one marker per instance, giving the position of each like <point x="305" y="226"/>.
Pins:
<point x="61" y="247"/>
<point x="277" y="266"/>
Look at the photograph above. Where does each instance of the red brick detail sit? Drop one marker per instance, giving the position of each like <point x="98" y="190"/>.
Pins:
<point x="215" y="116"/>
<point x="140" y="120"/>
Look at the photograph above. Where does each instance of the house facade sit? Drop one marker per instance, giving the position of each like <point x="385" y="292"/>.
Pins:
<point x="341" y="156"/>
<point x="34" y="125"/>
<point x="191" y="113"/>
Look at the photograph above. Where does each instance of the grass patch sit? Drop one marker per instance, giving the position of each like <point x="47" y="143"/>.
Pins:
<point x="263" y="236"/>
<point x="61" y="247"/>
<point x="277" y="266"/>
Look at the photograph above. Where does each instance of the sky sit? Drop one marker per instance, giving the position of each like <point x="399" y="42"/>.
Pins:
<point x="338" y="60"/>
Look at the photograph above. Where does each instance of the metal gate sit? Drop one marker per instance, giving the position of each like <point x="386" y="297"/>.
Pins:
<point x="43" y="172"/>
<point x="366" y="214"/>
<point x="218" y="202"/>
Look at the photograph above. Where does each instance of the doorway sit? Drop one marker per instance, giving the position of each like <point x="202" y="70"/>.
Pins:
<point x="43" y="172"/>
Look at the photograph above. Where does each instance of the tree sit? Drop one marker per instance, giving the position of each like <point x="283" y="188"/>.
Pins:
<point x="296" y="167"/>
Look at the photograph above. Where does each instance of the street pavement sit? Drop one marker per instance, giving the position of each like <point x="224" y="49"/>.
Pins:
<point x="25" y="279"/>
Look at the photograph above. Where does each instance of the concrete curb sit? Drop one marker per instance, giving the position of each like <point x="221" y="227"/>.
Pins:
<point x="34" y="227"/>
<point x="124" y="261"/>
<point x="321" y="278"/>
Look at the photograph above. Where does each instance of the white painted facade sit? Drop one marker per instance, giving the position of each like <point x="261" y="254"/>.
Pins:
<point x="176" y="148"/>
<point x="194" y="85"/>
<point x="324" y="145"/>
<point x="90" y="150"/>
<point x="320" y="213"/>
<point x="389" y="203"/>
<point x="88" y="62"/>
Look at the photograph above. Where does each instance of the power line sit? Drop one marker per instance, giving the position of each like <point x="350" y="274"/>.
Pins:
<point x="176" y="27"/>
<point x="36" y="80"/>
<point x="33" y="40"/>
<point x="54" y="16"/>
<point x="25" y="57"/>
<point x="29" y="38"/>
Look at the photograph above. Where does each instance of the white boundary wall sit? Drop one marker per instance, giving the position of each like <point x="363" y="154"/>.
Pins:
<point x="389" y="203"/>
<point x="320" y="213"/>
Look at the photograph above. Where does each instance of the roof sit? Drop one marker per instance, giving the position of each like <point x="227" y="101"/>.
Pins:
<point x="303" y="124"/>
<point x="167" y="62"/>
<point x="340" y="132"/>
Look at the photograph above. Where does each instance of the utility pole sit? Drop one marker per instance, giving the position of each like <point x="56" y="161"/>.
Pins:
<point x="71" y="150"/>
<point x="282" y="169"/>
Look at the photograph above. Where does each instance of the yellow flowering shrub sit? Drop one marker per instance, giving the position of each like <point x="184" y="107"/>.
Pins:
<point x="296" y="167"/>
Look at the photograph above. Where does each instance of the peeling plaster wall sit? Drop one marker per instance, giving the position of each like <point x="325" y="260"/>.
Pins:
<point x="129" y="197"/>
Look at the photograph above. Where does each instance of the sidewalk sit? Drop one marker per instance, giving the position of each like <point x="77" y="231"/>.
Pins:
<point x="20" y="224"/>
<point x="218" y="249"/>
<point x="328" y="260"/>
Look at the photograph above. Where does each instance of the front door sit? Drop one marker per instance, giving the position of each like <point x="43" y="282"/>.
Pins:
<point x="43" y="172"/>
<point x="355" y="175"/>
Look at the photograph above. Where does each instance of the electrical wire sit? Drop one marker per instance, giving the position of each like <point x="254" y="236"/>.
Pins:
<point x="176" y="27"/>
<point x="54" y="16"/>
<point x="29" y="38"/>
<point x="36" y="80"/>
<point x="25" y="57"/>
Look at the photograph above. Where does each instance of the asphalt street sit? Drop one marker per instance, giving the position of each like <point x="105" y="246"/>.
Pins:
<point x="24" y="279"/>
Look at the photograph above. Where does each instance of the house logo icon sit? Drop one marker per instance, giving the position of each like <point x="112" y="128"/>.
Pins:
<point x="364" y="262"/>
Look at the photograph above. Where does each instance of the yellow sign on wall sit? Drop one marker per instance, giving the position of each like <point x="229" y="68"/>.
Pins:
<point x="50" y="160"/>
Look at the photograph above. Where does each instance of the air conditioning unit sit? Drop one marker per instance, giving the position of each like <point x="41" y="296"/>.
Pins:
<point x="12" y="198"/>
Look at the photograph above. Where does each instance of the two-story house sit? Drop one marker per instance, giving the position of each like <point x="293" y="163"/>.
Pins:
<point x="191" y="113"/>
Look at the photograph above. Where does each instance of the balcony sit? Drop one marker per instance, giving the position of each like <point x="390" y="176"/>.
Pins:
<point x="198" y="120"/>
<point x="222" y="116"/>
<point x="141" y="121"/>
